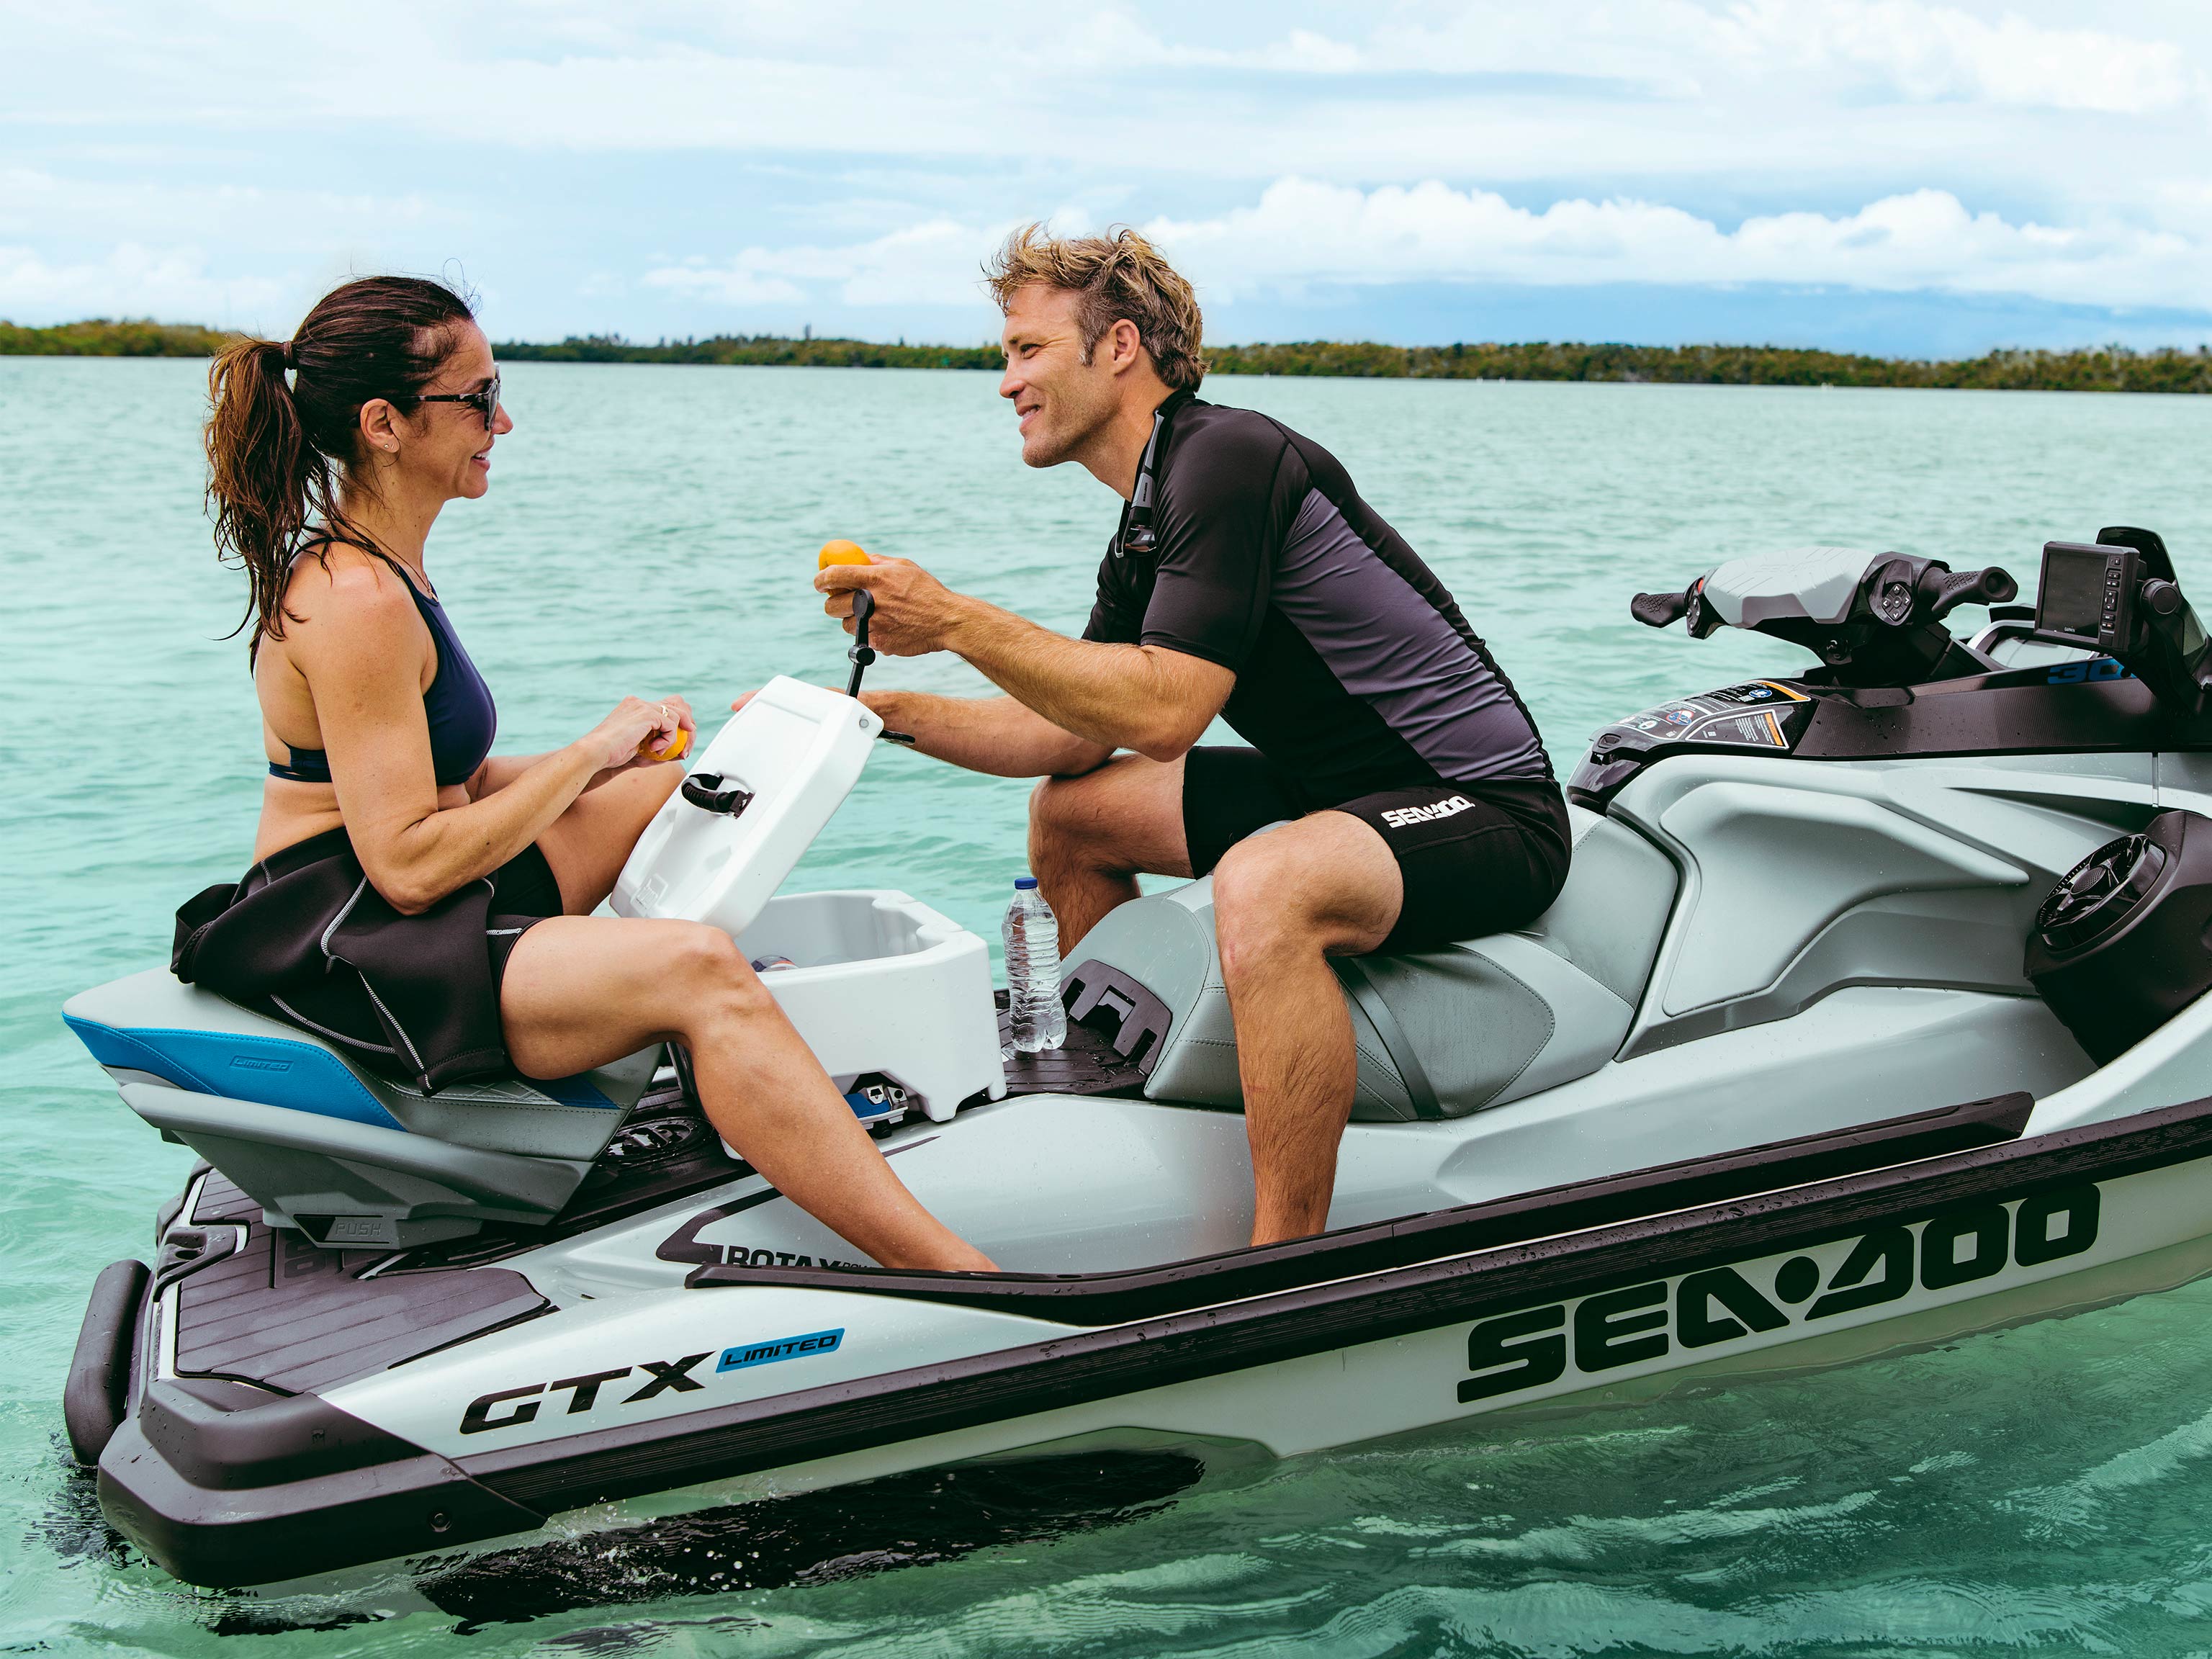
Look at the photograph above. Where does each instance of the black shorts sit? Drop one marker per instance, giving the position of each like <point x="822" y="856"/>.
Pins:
<point x="1476" y="857"/>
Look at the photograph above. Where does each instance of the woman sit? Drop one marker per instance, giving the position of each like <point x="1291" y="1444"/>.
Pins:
<point x="413" y="898"/>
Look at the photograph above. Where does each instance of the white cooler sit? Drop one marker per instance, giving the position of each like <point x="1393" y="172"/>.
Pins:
<point x="882" y="983"/>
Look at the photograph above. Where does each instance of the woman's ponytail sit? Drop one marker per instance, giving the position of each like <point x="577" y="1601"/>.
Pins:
<point x="275" y="449"/>
<point x="261" y="473"/>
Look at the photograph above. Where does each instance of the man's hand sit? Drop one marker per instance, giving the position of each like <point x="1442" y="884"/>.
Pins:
<point x="914" y="611"/>
<point x="1093" y="697"/>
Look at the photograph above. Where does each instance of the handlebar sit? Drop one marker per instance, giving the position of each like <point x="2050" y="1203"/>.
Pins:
<point x="864" y="606"/>
<point x="1659" y="609"/>
<point x="1941" y="592"/>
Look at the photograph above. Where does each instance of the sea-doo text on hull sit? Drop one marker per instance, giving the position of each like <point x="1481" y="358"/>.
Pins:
<point x="1871" y="1012"/>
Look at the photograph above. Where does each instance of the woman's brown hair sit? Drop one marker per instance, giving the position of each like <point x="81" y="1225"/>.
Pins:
<point x="276" y="451"/>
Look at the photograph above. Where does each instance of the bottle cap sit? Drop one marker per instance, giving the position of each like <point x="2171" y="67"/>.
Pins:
<point x="1023" y="883"/>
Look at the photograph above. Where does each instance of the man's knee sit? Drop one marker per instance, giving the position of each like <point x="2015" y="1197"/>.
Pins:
<point x="1258" y="912"/>
<point x="1068" y="817"/>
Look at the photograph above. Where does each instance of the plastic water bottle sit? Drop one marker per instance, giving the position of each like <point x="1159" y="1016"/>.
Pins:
<point x="1032" y="936"/>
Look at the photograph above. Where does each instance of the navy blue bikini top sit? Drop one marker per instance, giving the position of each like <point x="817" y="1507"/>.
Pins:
<point x="459" y="704"/>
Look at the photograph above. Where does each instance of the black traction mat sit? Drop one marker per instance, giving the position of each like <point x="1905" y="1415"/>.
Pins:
<point x="1086" y="1063"/>
<point x="288" y="1315"/>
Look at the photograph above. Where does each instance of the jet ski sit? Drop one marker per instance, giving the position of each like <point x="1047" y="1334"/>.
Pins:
<point x="1871" y="1014"/>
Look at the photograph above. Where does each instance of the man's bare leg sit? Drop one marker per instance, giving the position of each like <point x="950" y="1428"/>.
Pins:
<point x="1284" y="902"/>
<point x="1091" y="835"/>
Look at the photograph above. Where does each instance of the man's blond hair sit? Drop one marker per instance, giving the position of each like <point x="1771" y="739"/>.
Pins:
<point x="1119" y="275"/>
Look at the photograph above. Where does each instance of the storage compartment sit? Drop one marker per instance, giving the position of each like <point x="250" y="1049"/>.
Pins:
<point x="883" y="984"/>
<point x="757" y="797"/>
<point x="883" y="988"/>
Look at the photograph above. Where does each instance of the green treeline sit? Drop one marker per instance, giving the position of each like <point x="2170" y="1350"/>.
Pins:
<point x="763" y="349"/>
<point x="2106" y="369"/>
<point x="2112" y="368"/>
<point x="103" y="339"/>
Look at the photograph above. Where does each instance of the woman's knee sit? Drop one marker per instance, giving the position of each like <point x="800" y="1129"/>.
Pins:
<point x="711" y="971"/>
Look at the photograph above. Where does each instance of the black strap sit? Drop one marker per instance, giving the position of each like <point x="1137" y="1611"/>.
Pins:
<point x="704" y="790"/>
<point x="1410" y="1072"/>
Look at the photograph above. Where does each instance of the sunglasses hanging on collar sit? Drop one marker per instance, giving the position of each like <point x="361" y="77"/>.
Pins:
<point x="1137" y="535"/>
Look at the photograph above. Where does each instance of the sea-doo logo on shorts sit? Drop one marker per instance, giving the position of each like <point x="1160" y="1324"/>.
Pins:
<point x="1399" y="816"/>
<point x="515" y="1406"/>
<point x="1531" y="1347"/>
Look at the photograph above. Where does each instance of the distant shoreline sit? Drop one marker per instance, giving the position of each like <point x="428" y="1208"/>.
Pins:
<point x="2112" y="368"/>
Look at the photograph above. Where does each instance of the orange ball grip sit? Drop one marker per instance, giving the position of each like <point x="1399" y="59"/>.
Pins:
<point x="676" y="750"/>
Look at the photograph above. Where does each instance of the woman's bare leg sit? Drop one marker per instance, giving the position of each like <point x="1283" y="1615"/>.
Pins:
<point x="580" y="991"/>
<point x="588" y="844"/>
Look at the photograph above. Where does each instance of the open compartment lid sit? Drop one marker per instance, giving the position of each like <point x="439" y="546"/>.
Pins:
<point x="755" y="798"/>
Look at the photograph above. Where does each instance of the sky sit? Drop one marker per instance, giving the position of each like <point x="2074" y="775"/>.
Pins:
<point x="1892" y="176"/>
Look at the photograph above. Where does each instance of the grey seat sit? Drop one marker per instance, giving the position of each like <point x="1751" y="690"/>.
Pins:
<point x="1441" y="1033"/>
<point x="336" y="1148"/>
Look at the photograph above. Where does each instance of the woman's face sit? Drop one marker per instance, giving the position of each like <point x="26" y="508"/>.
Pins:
<point x="448" y="451"/>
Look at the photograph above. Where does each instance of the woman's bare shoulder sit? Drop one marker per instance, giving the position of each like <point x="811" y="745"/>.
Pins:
<point x="340" y="582"/>
<point x="350" y="607"/>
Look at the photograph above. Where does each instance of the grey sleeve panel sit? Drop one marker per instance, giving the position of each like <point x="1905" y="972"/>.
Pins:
<point x="1391" y="648"/>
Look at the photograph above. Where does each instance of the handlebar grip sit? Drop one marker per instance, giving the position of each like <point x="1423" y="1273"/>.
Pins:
<point x="1942" y="591"/>
<point x="1658" y="610"/>
<point x="1997" y="586"/>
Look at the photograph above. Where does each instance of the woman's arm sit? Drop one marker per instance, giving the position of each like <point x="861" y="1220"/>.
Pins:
<point x="500" y="770"/>
<point x="359" y="643"/>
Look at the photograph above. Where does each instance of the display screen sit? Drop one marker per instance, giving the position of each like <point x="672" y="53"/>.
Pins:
<point x="2072" y="600"/>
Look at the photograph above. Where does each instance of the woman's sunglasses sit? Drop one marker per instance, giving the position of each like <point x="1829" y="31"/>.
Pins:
<point x="484" y="400"/>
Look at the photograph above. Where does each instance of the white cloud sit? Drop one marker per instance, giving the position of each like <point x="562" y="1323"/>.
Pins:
<point x="1926" y="52"/>
<point x="935" y="263"/>
<point x="1279" y="146"/>
<point x="173" y="284"/>
<point x="1302" y="232"/>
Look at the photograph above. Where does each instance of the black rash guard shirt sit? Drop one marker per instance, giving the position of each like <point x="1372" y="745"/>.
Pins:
<point x="1355" y="671"/>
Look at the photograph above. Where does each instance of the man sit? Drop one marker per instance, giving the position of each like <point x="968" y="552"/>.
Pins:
<point x="1247" y="580"/>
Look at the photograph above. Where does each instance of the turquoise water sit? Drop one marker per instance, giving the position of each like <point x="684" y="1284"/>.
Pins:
<point x="651" y="530"/>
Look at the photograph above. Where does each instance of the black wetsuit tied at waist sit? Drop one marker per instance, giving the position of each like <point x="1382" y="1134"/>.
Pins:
<point x="306" y="939"/>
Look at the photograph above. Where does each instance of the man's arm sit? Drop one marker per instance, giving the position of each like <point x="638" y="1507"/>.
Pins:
<point x="987" y="734"/>
<point x="1143" y="697"/>
<point x="1148" y="698"/>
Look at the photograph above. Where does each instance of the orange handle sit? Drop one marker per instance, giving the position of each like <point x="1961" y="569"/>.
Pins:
<point x="840" y="552"/>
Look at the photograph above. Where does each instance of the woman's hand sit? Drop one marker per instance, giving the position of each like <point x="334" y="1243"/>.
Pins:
<point x="638" y="733"/>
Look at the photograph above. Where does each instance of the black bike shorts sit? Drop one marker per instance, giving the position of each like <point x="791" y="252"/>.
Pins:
<point x="1476" y="857"/>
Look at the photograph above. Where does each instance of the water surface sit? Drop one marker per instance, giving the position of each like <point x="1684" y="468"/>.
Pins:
<point x="651" y="530"/>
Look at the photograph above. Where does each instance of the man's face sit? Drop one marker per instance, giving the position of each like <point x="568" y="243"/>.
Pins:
<point x="1060" y="399"/>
